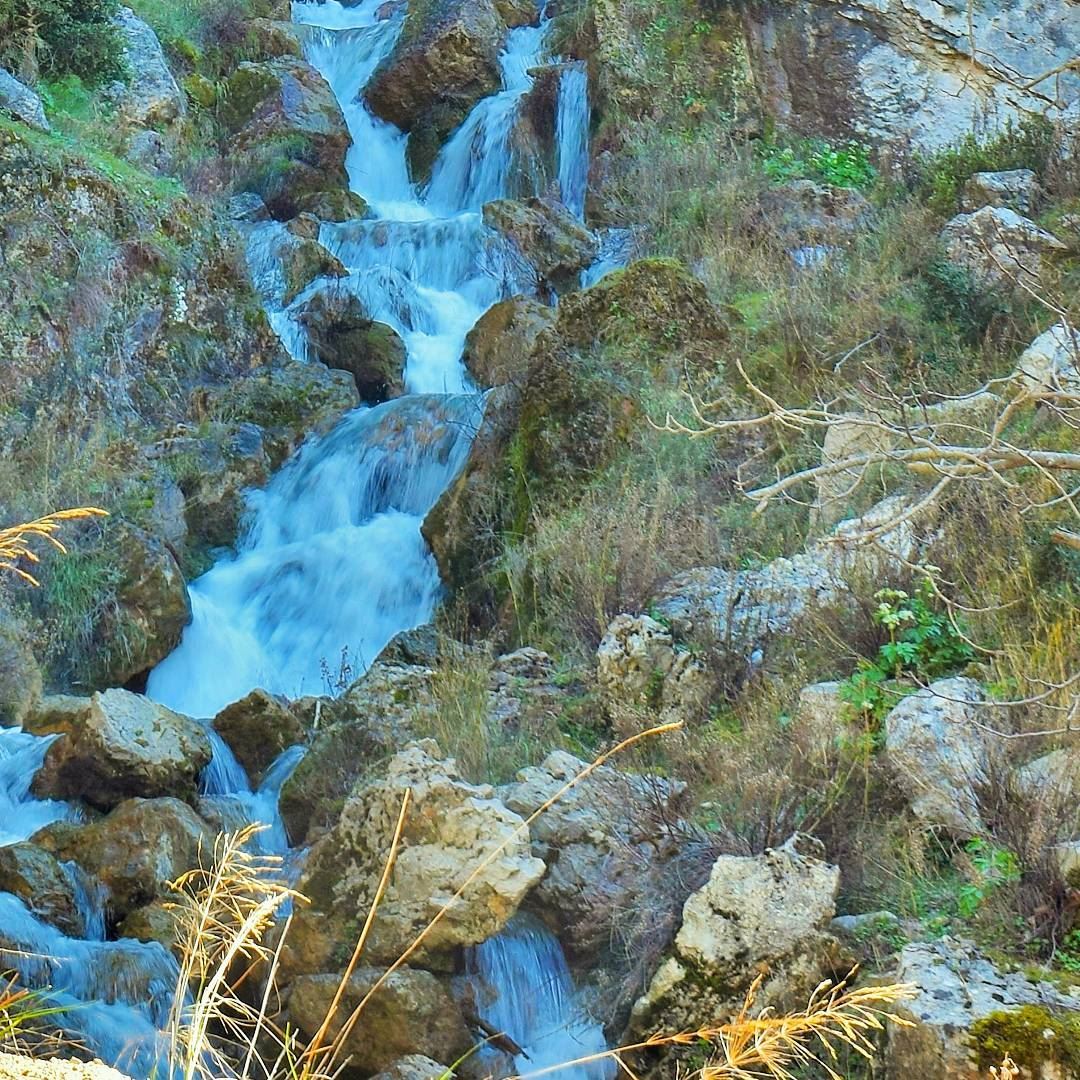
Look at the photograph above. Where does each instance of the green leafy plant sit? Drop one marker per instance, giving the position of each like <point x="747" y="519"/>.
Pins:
<point x="847" y="165"/>
<point x="993" y="866"/>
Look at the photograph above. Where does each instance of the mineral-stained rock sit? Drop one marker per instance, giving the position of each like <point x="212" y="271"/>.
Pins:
<point x="155" y="921"/>
<point x="47" y="889"/>
<point x="498" y="347"/>
<point x="938" y="755"/>
<point x="151" y="97"/>
<point x="257" y="729"/>
<point x="119" y="745"/>
<point x="411" y="1014"/>
<point x="134" y="852"/>
<point x="999" y="247"/>
<point x="769" y="913"/>
<point x="452" y="830"/>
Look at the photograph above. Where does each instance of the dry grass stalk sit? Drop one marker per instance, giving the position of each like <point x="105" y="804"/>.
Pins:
<point x="749" y="1046"/>
<point x="15" y="542"/>
<point x="1007" y="1070"/>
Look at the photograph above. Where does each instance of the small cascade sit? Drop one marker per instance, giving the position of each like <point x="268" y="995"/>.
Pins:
<point x="120" y="993"/>
<point x="21" y="815"/>
<point x="572" y="136"/>
<point x="522" y="987"/>
<point x="333" y="560"/>
<point x="90" y="897"/>
<point x="224" y="775"/>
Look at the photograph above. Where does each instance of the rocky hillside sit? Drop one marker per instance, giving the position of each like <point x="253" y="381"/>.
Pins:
<point x="779" y="451"/>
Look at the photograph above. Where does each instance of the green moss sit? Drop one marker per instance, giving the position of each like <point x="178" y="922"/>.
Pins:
<point x="1032" y="1036"/>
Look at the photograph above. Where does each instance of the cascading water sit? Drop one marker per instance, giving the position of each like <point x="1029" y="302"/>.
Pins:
<point x="522" y="988"/>
<point x="332" y="562"/>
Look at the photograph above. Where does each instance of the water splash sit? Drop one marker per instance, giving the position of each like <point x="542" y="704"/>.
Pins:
<point x="21" y="815"/>
<point x="522" y="988"/>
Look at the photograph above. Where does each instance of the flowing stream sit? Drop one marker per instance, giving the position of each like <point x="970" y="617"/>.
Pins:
<point x="332" y="563"/>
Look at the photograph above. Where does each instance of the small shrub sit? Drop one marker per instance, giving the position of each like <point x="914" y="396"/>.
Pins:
<point x="844" y="166"/>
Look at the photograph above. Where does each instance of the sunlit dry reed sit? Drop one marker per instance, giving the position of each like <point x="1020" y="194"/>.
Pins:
<point x="16" y="541"/>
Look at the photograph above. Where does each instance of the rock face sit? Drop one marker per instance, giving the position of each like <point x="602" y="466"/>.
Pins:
<point x="937" y="754"/>
<point x="152" y="97"/>
<point x="918" y="76"/>
<point x="970" y="1015"/>
<point x="342" y="336"/>
<point x="498" y="347"/>
<point x="1016" y="188"/>
<point x="411" y="1014"/>
<point x="21" y="102"/>
<point x="290" y="135"/>
<point x="20" y="675"/>
<point x="257" y="729"/>
<point x="134" y="852"/>
<point x="445" y="61"/>
<point x="547" y="236"/>
<point x="998" y="247"/>
<point x="612" y="845"/>
<point x="451" y="829"/>
<point x="119" y="745"/>
<point x="638" y="664"/>
<point x="767" y="913"/>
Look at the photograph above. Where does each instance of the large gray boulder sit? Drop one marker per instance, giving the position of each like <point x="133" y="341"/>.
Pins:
<point x="18" y="100"/>
<point x="999" y="247"/>
<point x="454" y="832"/>
<point x="939" y="754"/>
<point x="152" y="97"/>
<point x="917" y="76"/>
<point x="115" y="746"/>
<point x="1016" y="188"/>
<point x="768" y="913"/>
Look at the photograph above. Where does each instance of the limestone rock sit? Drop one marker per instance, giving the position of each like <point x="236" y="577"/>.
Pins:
<point x="818" y="724"/>
<point x="152" y="605"/>
<point x="343" y="336"/>
<point x="498" y="347"/>
<point x="452" y="828"/>
<point x="1052" y="361"/>
<point x="963" y="1006"/>
<point x="290" y="135"/>
<point x="1016" y="188"/>
<point x="766" y="913"/>
<point x="47" y="889"/>
<point x="445" y="61"/>
<point x="909" y="76"/>
<point x="19" y="1067"/>
<point x="412" y="1015"/>
<point x="937" y="754"/>
<point x="999" y="247"/>
<point x="547" y="236"/>
<point x="120" y="745"/>
<point x="257" y="729"/>
<point x="616" y="853"/>
<point x="20" y="673"/>
<point x="637" y="663"/>
<point x="18" y="100"/>
<point x="804" y="212"/>
<point x="152" y="97"/>
<point x="134" y="852"/>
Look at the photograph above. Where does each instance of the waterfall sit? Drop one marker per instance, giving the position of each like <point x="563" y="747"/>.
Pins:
<point x="522" y="988"/>
<point x="572" y="136"/>
<point x="21" y="815"/>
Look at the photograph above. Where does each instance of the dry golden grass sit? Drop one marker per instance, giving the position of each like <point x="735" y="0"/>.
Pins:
<point x="16" y="542"/>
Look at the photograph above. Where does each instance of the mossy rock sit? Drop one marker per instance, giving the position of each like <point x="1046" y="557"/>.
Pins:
<point x="1044" y="1043"/>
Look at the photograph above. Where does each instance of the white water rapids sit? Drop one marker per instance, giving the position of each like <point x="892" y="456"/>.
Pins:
<point x="332" y="563"/>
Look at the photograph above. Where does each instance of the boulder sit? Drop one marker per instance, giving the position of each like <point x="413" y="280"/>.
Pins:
<point x="20" y="673"/>
<point x="411" y="1015"/>
<point x="1015" y="188"/>
<point x="152" y="605"/>
<point x="914" y="78"/>
<point x="768" y="913"/>
<point x="343" y="336"/>
<point x="452" y="831"/>
<point x="498" y="347"/>
<point x="136" y="851"/>
<point x="804" y="212"/>
<point x="44" y="886"/>
<point x="548" y="237"/>
<point x="290" y="136"/>
<point x="271" y="39"/>
<point x="19" y="101"/>
<point x="1052" y="361"/>
<point x="969" y="1015"/>
<point x="621" y="861"/>
<point x="257" y="729"/>
<point x="152" y="97"/>
<point x="445" y="61"/>
<point x="336" y="204"/>
<point x="638" y="664"/>
<point x="303" y="261"/>
<point x="999" y="247"/>
<point x="155" y="921"/>
<point x="937" y="754"/>
<point x="119" y="745"/>
<point x="518" y="12"/>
